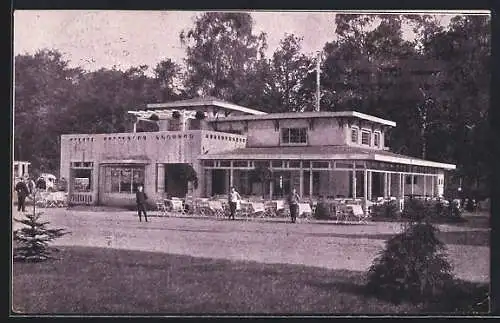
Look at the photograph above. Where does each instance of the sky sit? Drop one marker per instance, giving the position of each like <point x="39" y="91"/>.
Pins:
<point x="97" y="39"/>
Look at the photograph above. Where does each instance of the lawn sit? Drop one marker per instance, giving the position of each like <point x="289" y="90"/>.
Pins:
<point x="99" y="280"/>
<point x="467" y="238"/>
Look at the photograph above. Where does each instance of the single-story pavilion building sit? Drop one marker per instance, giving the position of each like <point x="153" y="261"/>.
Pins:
<point x="20" y="169"/>
<point x="330" y="154"/>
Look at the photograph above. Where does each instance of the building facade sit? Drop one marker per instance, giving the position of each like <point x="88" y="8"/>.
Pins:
<point x="330" y="154"/>
<point x="20" y="170"/>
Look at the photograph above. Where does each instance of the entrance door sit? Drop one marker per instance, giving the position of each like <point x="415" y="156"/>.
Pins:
<point x="175" y="182"/>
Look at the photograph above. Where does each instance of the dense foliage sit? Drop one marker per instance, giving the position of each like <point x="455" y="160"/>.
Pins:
<point x="435" y="86"/>
<point x="387" y="210"/>
<point x="412" y="267"/>
<point x="419" y="210"/>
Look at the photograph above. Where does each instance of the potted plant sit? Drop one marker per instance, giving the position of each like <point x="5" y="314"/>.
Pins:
<point x="154" y="117"/>
<point x="200" y="115"/>
<point x="196" y="123"/>
<point x="175" y="122"/>
<point x="176" y="115"/>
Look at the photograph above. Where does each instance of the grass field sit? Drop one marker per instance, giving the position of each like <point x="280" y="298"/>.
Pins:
<point x="100" y="280"/>
<point x="467" y="238"/>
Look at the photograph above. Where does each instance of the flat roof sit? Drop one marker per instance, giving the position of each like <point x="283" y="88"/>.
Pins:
<point x="309" y="114"/>
<point x="204" y="101"/>
<point x="334" y="152"/>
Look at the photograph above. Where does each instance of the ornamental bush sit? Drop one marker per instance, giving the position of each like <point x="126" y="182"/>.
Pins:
<point x="322" y="211"/>
<point x="418" y="210"/>
<point x="387" y="210"/>
<point x="411" y="267"/>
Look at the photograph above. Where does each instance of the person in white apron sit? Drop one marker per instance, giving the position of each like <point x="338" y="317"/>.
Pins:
<point x="234" y="199"/>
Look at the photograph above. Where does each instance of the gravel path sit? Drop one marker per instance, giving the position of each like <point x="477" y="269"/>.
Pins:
<point x="310" y="244"/>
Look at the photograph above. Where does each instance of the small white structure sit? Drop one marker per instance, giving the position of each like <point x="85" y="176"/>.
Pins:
<point x="20" y="168"/>
<point x="50" y="181"/>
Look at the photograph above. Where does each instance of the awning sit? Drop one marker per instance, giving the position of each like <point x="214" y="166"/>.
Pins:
<point x="321" y="153"/>
<point x="126" y="161"/>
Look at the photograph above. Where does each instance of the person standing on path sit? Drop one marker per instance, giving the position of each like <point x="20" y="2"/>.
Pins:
<point x="31" y="185"/>
<point x="22" y="192"/>
<point x="293" y="203"/>
<point x="140" y="199"/>
<point x="234" y="198"/>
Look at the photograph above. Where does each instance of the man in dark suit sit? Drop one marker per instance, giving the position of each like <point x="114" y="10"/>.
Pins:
<point x="22" y="192"/>
<point x="293" y="203"/>
<point x="140" y="199"/>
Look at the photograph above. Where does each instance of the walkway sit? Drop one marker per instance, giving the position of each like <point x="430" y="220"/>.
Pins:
<point x="350" y="247"/>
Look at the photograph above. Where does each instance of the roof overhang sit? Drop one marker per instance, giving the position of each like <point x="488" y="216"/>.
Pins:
<point x="17" y="162"/>
<point x="326" y="156"/>
<point x="307" y="115"/>
<point x="413" y="161"/>
<point x="203" y="102"/>
<point x="146" y="115"/>
<point x="126" y="161"/>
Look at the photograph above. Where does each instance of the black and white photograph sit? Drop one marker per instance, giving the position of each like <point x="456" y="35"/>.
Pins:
<point x="250" y="163"/>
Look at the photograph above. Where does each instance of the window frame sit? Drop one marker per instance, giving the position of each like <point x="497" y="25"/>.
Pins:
<point x="354" y="130"/>
<point x="289" y="137"/>
<point x="375" y="135"/>
<point x="366" y="131"/>
<point x="108" y="178"/>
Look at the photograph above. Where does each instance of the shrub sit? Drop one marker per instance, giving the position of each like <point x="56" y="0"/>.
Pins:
<point x="387" y="210"/>
<point x="32" y="240"/>
<point x="418" y="210"/>
<point x="322" y="211"/>
<point x="411" y="267"/>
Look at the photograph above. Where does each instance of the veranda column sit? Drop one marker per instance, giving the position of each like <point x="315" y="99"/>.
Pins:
<point x="433" y="178"/>
<point x="365" y="191"/>
<point x="160" y="178"/>
<point x="354" y="182"/>
<point x="403" y="181"/>
<point x="310" y="183"/>
<point x="231" y="174"/>
<point x="401" y="191"/>
<point x="385" y="186"/>
<point x="412" y="183"/>
<point x="301" y="183"/>
<point x="425" y="185"/>
<point x="370" y="186"/>
<point x="389" y="180"/>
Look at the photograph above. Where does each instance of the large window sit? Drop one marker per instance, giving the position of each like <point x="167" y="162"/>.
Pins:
<point x="354" y="135"/>
<point x="408" y="179"/>
<point x="294" y="135"/>
<point x="376" y="139"/>
<point x="123" y="179"/>
<point x="365" y="137"/>
<point x="81" y="176"/>
<point x="82" y="180"/>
